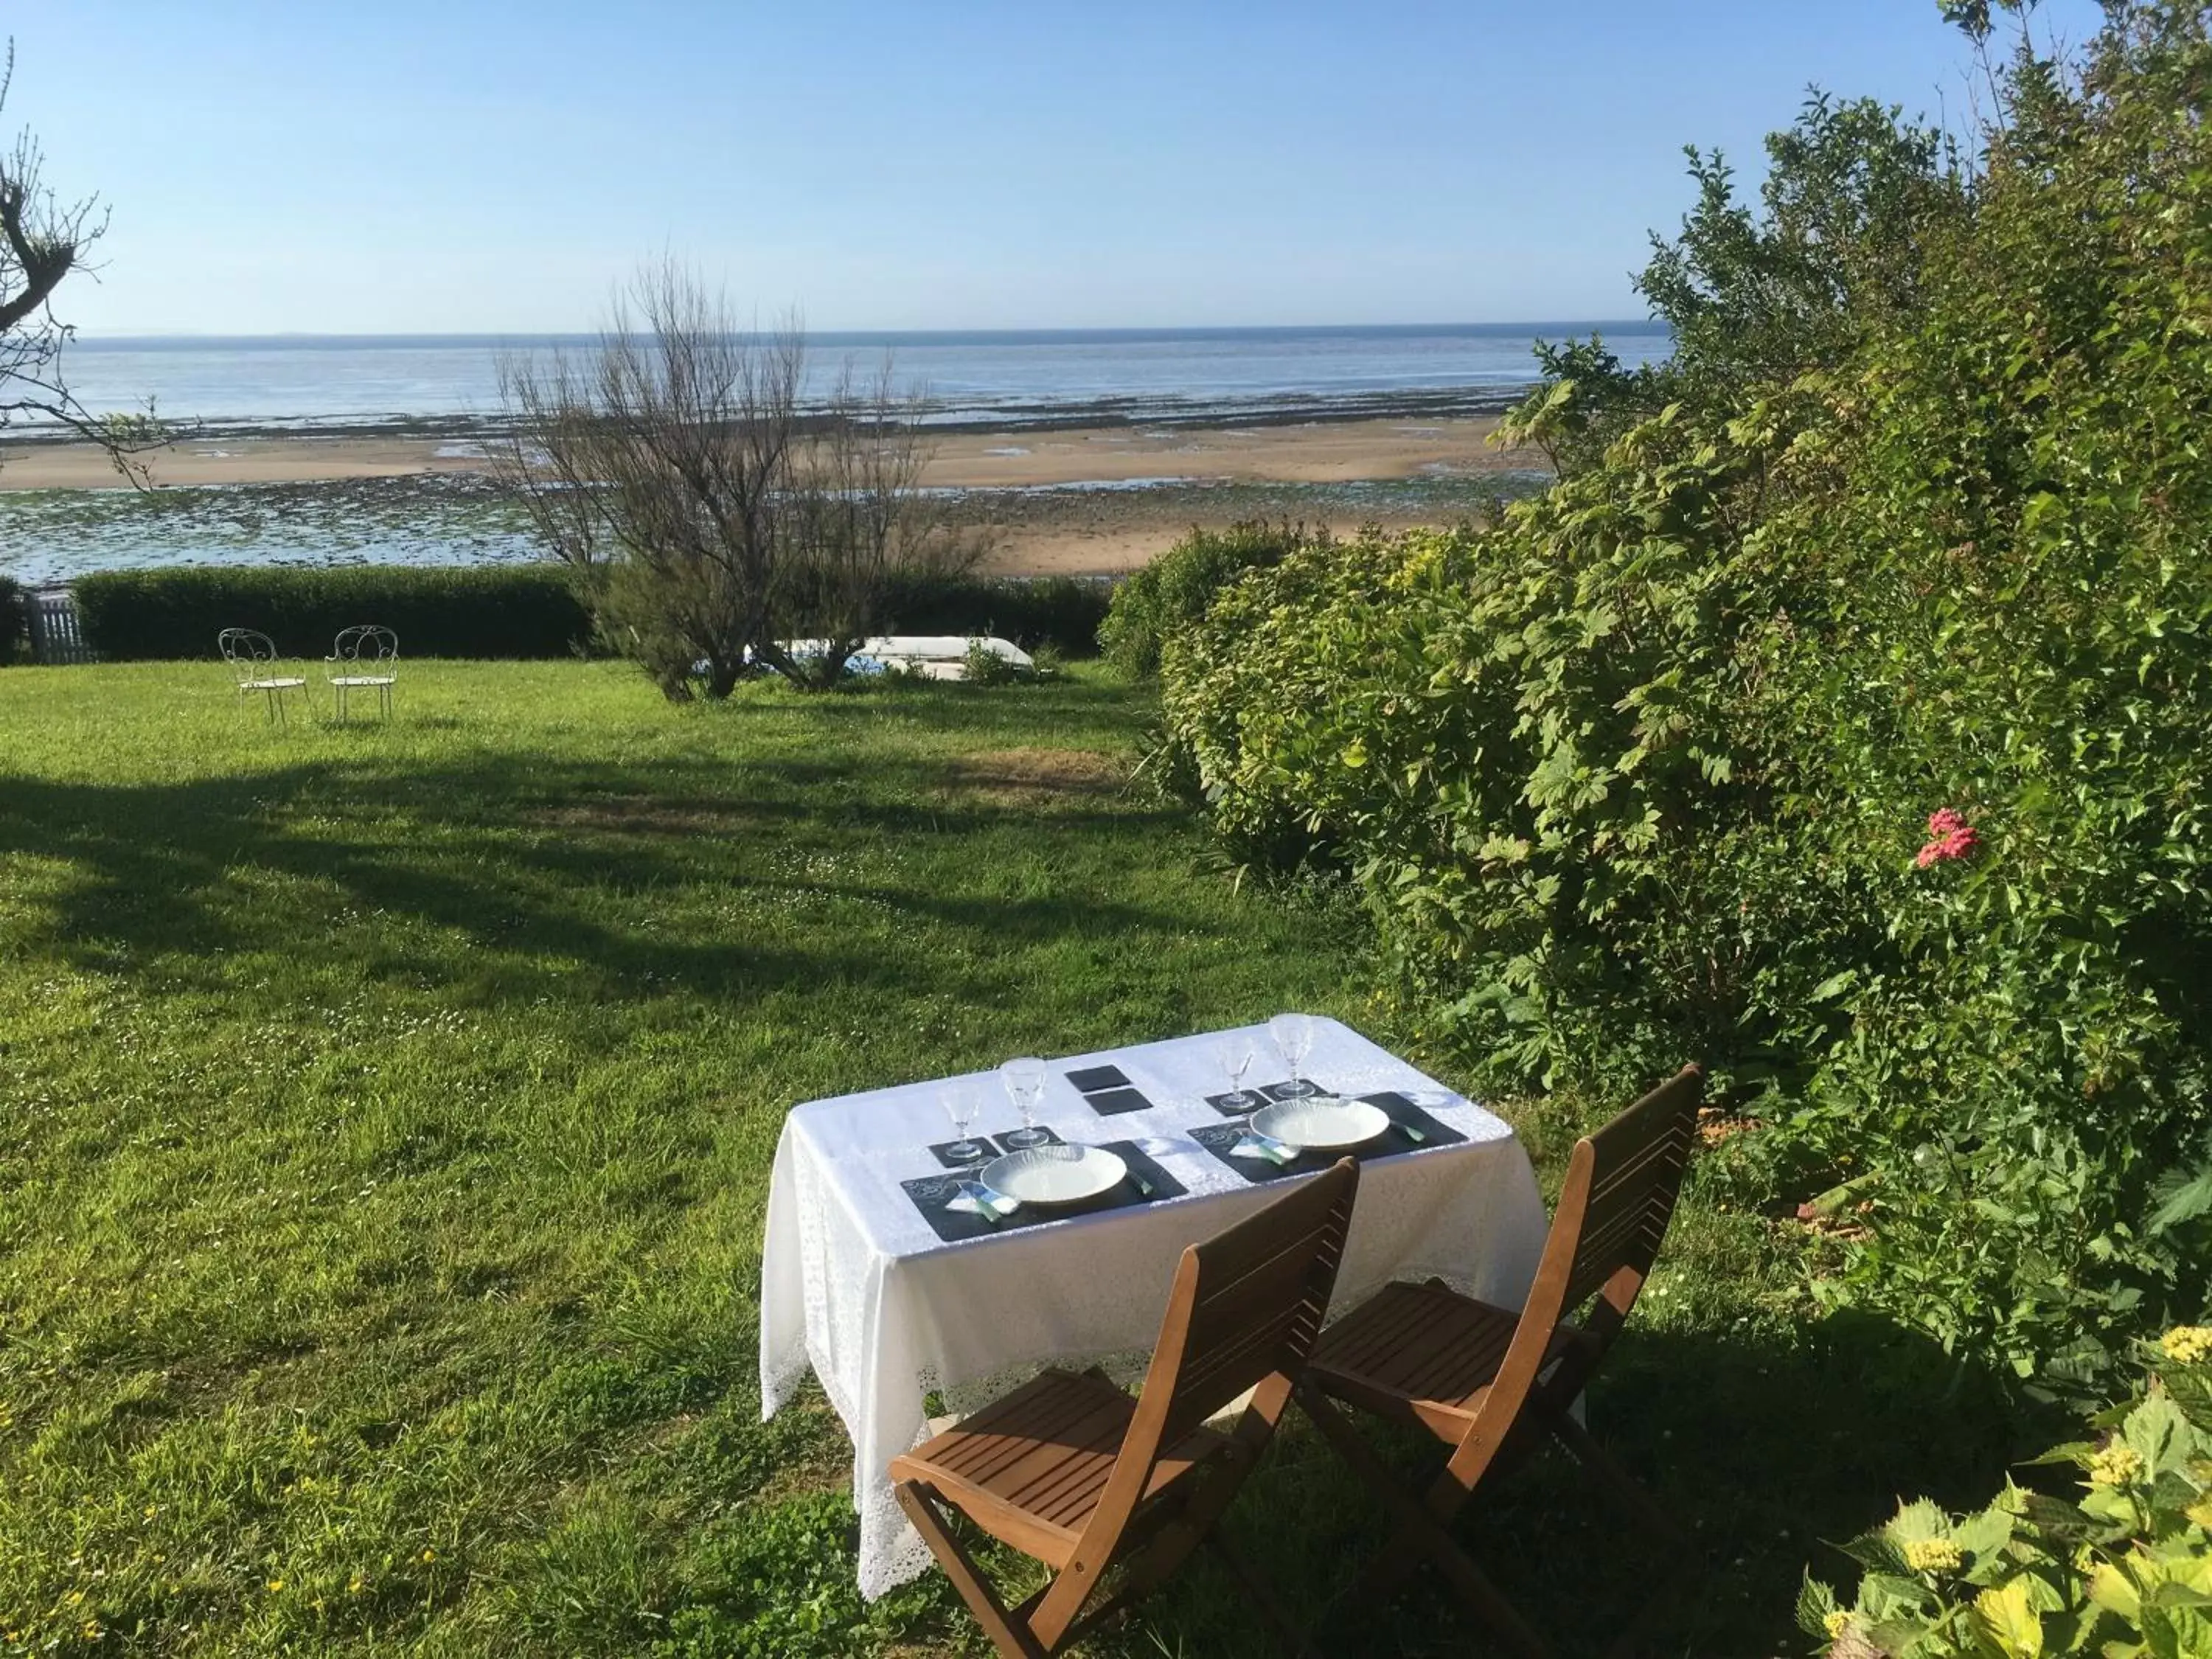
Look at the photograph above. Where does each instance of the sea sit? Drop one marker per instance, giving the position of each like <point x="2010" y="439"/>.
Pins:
<point x="448" y="386"/>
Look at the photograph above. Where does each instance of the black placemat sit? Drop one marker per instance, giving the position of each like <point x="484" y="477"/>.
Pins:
<point x="1111" y="1102"/>
<point x="931" y="1194"/>
<point x="944" y="1150"/>
<point x="1092" y="1078"/>
<point x="1218" y="1138"/>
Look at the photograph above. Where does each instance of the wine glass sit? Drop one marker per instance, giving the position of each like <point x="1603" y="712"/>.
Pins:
<point x="1236" y="1053"/>
<point x="1025" y="1081"/>
<point x="960" y="1105"/>
<point x="1293" y="1034"/>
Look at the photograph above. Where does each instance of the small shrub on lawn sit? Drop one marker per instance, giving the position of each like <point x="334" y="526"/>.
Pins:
<point x="984" y="666"/>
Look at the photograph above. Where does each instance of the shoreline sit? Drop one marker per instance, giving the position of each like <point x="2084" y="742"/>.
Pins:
<point x="1259" y="409"/>
<point x="1099" y="500"/>
<point x="1119" y="454"/>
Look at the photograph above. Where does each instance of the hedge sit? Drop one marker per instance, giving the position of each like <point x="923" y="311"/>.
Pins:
<point x="482" y="610"/>
<point x="14" y="622"/>
<point x="491" y="610"/>
<point x="1062" y="611"/>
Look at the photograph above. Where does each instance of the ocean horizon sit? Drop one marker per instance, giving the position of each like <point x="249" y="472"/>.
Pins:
<point x="967" y="376"/>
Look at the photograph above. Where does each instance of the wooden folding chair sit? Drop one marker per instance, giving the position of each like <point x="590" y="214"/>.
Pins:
<point x="1071" y="1471"/>
<point x="1490" y="1383"/>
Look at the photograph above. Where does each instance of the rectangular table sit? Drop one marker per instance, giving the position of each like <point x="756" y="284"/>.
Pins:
<point x="859" y="1287"/>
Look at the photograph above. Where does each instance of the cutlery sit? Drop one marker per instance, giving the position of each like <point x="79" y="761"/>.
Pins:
<point x="994" y="1207"/>
<point x="1255" y="1145"/>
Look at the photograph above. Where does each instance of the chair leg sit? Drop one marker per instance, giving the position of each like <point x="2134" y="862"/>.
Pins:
<point x="1010" y="1636"/>
<point x="1419" y="1529"/>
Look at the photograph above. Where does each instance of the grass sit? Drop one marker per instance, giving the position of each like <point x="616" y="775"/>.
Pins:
<point x="386" y="1114"/>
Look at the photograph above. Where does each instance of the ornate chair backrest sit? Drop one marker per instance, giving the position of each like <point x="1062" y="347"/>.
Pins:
<point x="252" y="656"/>
<point x="1247" y="1306"/>
<point x="367" y="643"/>
<point x="1613" y="1210"/>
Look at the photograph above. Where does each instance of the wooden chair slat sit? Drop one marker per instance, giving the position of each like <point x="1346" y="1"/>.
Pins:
<point x="1474" y="1375"/>
<point x="1072" y="1471"/>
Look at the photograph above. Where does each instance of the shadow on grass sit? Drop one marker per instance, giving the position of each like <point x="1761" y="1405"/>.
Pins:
<point x="519" y="857"/>
<point x="1769" y="1450"/>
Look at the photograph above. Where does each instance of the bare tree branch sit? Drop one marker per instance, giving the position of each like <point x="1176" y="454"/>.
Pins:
<point x="41" y="242"/>
<point x="710" y="518"/>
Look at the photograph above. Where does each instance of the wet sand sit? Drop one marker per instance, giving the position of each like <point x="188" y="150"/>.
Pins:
<point x="1147" y="485"/>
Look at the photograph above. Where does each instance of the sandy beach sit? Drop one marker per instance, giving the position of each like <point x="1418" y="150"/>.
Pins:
<point x="1079" y="501"/>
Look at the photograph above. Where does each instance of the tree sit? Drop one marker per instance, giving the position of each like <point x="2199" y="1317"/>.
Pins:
<point x="42" y="240"/>
<point x="1854" y="198"/>
<point x="713" y="519"/>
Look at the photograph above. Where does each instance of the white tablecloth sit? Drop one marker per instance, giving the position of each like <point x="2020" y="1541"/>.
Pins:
<point x="855" y="1285"/>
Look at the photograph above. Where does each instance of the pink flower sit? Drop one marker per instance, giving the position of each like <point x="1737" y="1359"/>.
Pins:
<point x="1959" y="842"/>
<point x="1953" y="838"/>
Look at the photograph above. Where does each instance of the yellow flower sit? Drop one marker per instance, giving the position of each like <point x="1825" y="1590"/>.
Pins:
<point x="1837" y="1622"/>
<point x="2118" y="1465"/>
<point x="353" y="1585"/>
<point x="275" y="1584"/>
<point x="429" y="1555"/>
<point x="92" y="1631"/>
<point x="1933" y="1555"/>
<point x="2188" y="1345"/>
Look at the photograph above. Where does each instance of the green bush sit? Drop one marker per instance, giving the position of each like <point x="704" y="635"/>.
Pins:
<point x="15" y="624"/>
<point x="481" y="611"/>
<point x="1845" y="732"/>
<point x="1174" y="590"/>
<point x="984" y="666"/>
<point x="2124" y="1569"/>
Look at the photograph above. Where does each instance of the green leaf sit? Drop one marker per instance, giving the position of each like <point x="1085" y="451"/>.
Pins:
<point x="2003" y="1617"/>
<point x="2157" y="1428"/>
<point x="1815" y="1601"/>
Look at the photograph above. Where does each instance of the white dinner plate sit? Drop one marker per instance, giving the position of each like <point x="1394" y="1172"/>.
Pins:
<point x="1048" y="1175"/>
<point x="1322" y="1123"/>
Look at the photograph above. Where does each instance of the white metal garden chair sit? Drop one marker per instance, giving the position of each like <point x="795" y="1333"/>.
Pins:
<point x="255" y="666"/>
<point x="364" y="659"/>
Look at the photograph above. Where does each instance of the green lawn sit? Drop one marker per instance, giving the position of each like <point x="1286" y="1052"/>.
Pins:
<point x="386" y="1114"/>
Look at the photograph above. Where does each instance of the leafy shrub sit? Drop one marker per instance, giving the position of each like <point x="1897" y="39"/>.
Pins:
<point x="984" y="666"/>
<point x="2124" y="1569"/>
<point x="437" y="611"/>
<point x="15" y="625"/>
<point x="1845" y="731"/>
<point x="1175" y="589"/>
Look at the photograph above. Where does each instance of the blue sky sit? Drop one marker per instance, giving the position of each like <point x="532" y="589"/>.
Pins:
<point x="480" y="166"/>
